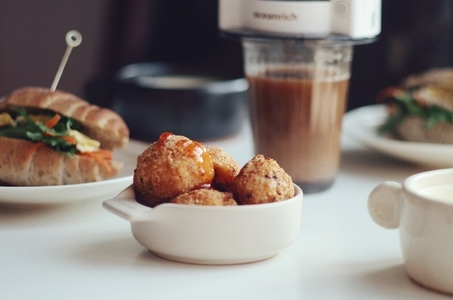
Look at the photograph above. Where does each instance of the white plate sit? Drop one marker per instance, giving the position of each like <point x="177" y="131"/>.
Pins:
<point x="101" y="190"/>
<point x="361" y="124"/>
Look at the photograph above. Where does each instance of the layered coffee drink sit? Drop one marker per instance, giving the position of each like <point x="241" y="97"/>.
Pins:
<point x="297" y="91"/>
<point x="296" y="116"/>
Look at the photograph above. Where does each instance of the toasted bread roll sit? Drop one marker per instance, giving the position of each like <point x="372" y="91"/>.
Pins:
<point x="442" y="77"/>
<point x="100" y="124"/>
<point x="421" y="110"/>
<point x="24" y="163"/>
<point x="414" y="129"/>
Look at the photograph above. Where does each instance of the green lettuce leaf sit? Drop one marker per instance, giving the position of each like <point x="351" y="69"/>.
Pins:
<point x="407" y="107"/>
<point x="33" y="131"/>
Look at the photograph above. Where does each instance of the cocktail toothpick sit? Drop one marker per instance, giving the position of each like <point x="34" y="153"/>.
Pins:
<point x="73" y="39"/>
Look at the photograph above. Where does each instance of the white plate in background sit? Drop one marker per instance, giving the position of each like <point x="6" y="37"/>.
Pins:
<point x="60" y="194"/>
<point x="362" y="123"/>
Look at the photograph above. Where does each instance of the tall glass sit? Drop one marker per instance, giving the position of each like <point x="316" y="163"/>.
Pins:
<point x="298" y="93"/>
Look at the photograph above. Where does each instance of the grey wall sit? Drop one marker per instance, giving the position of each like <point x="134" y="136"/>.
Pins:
<point x="32" y="42"/>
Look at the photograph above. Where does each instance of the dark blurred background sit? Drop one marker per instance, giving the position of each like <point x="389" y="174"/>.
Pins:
<point x="416" y="35"/>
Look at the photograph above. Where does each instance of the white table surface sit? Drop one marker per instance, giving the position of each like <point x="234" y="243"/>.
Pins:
<point x="82" y="251"/>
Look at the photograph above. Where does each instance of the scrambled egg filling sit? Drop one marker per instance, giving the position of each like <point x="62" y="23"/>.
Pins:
<point x="84" y="143"/>
<point x="6" y="120"/>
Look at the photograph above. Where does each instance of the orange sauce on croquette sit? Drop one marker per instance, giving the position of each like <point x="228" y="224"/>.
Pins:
<point x="193" y="150"/>
<point x="165" y="136"/>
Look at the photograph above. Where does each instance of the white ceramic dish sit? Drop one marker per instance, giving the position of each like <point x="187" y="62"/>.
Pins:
<point x="421" y="208"/>
<point x="362" y="123"/>
<point x="102" y="190"/>
<point x="211" y="234"/>
<point x="64" y="193"/>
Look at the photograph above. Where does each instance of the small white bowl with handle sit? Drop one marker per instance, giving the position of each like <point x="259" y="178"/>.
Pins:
<point x="211" y="234"/>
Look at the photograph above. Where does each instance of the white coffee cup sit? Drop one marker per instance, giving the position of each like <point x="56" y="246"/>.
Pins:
<point x="422" y="208"/>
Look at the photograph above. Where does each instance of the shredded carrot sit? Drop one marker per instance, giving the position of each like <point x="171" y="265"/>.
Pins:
<point x="33" y="150"/>
<point x="102" y="156"/>
<point x="69" y="139"/>
<point x="389" y="92"/>
<point x="53" y="121"/>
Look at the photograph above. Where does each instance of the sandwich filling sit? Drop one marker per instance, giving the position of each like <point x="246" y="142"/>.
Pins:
<point x="431" y="103"/>
<point x="52" y="130"/>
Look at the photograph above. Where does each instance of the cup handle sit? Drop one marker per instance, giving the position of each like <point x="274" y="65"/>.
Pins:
<point x="385" y="204"/>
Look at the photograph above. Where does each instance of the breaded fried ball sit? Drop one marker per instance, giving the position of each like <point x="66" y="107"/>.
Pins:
<point x="262" y="180"/>
<point x="205" y="197"/>
<point x="171" y="166"/>
<point x="225" y="168"/>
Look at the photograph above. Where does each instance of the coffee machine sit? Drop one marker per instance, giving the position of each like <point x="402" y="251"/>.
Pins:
<point x="354" y="20"/>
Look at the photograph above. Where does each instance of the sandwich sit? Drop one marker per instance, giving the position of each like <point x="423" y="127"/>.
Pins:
<point x="55" y="138"/>
<point x="421" y="108"/>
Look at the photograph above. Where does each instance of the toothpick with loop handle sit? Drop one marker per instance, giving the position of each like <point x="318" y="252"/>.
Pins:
<point x="73" y="39"/>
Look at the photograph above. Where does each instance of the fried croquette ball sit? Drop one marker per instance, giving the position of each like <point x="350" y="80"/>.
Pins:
<point x="171" y="166"/>
<point x="262" y="180"/>
<point x="225" y="168"/>
<point x="205" y="197"/>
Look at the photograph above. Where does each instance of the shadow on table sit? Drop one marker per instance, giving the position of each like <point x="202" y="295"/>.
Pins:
<point x="375" y="165"/>
<point x="393" y="282"/>
<point x="122" y="250"/>
<point x="25" y="215"/>
<point x="119" y="249"/>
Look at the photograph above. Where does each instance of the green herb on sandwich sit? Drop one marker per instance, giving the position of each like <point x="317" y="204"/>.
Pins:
<point x="53" y="133"/>
<point x="404" y="103"/>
